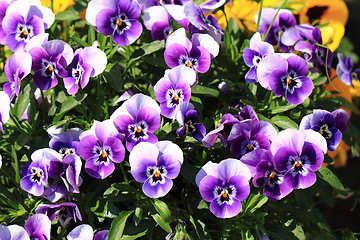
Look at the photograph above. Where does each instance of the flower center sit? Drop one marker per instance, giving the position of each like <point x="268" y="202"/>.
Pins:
<point x="66" y="151"/>
<point x="138" y="131"/>
<point x="24" y="32"/>
<point x="256" y="60"/>
<point x="48" y="69"/>
<point x="325" y="132"/>
<point x="156" y="174"/>
<point x="188" y="62"/>
<point x="120" y="23"/>
<point x="290" y="81"/>
<point x="224" y="194"/>
<point x="174" y="97"/>
<point x="36" y="174"/>
<point x="103" y="155"/>
<point x="78" y="72"/>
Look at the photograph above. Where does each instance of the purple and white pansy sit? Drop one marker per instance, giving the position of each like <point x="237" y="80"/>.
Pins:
<point x="225" y="185"/>
<point x="173" y="89"/>
<point x="16" y="68"/>
<point x="329" y="124"/>
<point x="87" y="62"/>
<point x="137" y="119"/>
<point x="298" y="154"/>
<point x="156" y="168"/>
<point x="116" y="18"/>
<point x="50" y="60"/>
<point x="24" y="20"/>
<point x="101" y="147"/>
<point x="285" y="74"/>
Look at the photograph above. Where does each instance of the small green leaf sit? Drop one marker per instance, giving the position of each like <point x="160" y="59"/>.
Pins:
<point x="118" y="225"/>
<point x="202" y="90"/>
<point x="146" y="49"/>
<point x="68" y="15"/>
<point x="284" y="122"/>
<point x="254" y="202"/>
<point x="162" y="222"/>
<point x="163" y="218"/>
<point x="281" y="109"/>
<point x="320" y="81"/>
<point x="23" y="100"/>
<point x="328" y="176"/>
<point x="112" y="74"/>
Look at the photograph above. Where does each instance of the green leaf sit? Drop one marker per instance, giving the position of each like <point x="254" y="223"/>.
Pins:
<point x="162" y="222"/>
<point x="132" y="232"/>
<point x="163" y="218"/>
<point x="3" y="78"/>
<point x="281" y="109"/>
<point x="202" y="90"/>
<point x="23" y="100"/>
<point x="284" y="122"/>
<point x="254" y="202"/>
<point x="112" y="75"/>
<point x="105" y="209"/>
<point x="146" y="49"/>
<point x="118" y="225"/>
<point x="68" y="15"/>
<point x="65" y="103"/>
<point x="15" y="164"/>
<point x="328" y="176"/>
<point x="319" y="81"/>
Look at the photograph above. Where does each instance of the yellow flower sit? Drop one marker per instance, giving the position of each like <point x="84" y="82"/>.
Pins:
<point x="243" y="11"/>
<point x="331" y="12"/>
<point x="58" y="5"/>
<point x="355" y="91"/>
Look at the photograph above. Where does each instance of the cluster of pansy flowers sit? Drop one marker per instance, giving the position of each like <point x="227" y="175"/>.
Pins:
<point x="280" y="161"/>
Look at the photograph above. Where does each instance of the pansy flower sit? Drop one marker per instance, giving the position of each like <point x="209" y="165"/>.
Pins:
<point x="68" y="170"/>
<point x="183" y="52"/>
<point x="285" y="74"/>
<point x="157" y="167"/>
<point x="23" y="20"/>
<point x="209" y="23"/>
<point x="247" y="136"/>
<point x="266" y="175"/>
<point x="50" y="60"/>
<point x="137" y="119"/>
<point x="100" y="147"/>
<point x="329" y="125"/>
<point x="87" y="62"/>
<point x="13" y="232"/>
<point x="187" y="117"/>
<point x="64" y="212"/>
<point x="225" y="185"/>
<point x="38" y="226"/>
<point x="4" y="109"/>
<point x="298" y="154"/>
<point x="306" y="38"/>
<point x="254" y="54"/>
<point x="16" y="68"/>
<point x="173" y="89"/>
<point x="116" y="18"/>
<point x="83" y="232"/>
<point x="345" y="70"/>
<point x="66" y="142"/>
<point x="279" y="23"/>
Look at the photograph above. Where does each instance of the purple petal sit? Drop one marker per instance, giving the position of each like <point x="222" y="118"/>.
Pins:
<point x="225" y="210"/>
<point x="99" y="170"/>
<point x="288" y="138"/>
<point x="158" y="190"/>
<point x="207" y="187"/>
<point x="38" y="223"/>
<point x="300" y="181"/>
<point x="231" y="167"/>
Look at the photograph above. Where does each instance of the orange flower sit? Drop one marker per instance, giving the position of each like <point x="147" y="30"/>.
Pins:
<point x="58" y="5"/>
